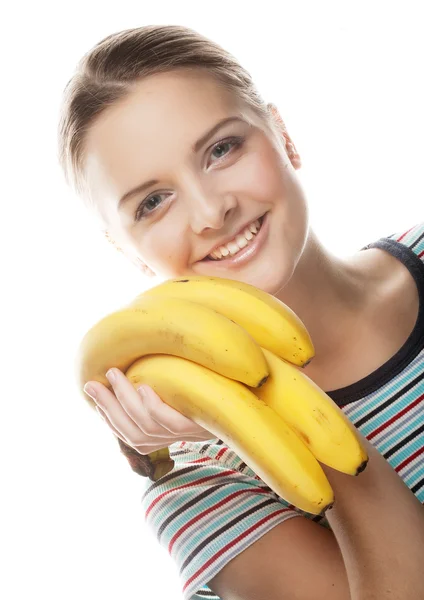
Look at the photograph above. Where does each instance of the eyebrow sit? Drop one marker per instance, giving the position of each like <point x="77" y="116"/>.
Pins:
<point x="195" y="148"/>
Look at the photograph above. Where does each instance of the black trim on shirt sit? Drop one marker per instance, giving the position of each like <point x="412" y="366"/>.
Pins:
<point x="413" y="345"/>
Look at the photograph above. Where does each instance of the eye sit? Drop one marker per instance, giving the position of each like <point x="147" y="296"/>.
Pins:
<point x="151" y="203"/>
<point x="229" y="144"/>
<point x="147" y="206"/>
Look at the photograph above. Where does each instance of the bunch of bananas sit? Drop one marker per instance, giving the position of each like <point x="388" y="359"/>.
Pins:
<point x="229" y="356"/>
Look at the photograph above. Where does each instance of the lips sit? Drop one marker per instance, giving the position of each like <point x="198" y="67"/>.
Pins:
<point x="234" y="244"/>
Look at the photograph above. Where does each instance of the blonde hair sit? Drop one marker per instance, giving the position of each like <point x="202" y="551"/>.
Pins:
<point x="114" y="66"/>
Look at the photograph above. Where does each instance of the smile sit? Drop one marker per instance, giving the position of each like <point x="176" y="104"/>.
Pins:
<point x="243" y="247"/>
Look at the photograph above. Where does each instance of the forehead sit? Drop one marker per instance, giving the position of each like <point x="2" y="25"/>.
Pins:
<point x="149" y="128"/>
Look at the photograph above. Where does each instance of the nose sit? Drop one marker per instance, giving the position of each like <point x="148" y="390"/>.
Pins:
<point x="210" y="212"/>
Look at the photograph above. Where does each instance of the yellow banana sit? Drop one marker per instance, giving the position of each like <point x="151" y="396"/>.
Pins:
<point x="270" y="322"/>
<point x="249" y="426"/>
<point x="170" y="326"/>
<point x="161" y="463"/>
<point x="308" y="410"/>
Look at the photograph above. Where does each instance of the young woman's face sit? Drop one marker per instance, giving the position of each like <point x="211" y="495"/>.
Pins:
<point x="204" y="188"/>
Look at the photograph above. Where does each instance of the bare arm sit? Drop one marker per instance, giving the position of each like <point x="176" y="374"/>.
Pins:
<point x="379" y="526"/>
<point x="297" y="559"/>
<point x="376" y="547"/>
<point x="374" y="551"/>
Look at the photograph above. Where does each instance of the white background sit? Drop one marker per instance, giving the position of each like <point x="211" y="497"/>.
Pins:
<point x="348" y="81"/>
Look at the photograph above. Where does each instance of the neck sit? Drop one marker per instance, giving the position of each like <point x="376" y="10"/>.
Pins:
<point x="328" y="294"/>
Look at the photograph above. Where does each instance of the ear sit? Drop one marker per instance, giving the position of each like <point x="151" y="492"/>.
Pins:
<point x="288" y="143"/>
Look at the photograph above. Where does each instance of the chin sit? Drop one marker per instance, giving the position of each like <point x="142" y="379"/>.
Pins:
<point x="272" y="261"/>
<point x="268" y="277"/>
<point x="267" y="272"/>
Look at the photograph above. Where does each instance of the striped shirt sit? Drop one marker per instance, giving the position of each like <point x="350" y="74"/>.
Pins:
<point x="212" y="506"/>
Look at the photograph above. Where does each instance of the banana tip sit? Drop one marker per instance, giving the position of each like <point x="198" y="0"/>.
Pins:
<point x="361" y="467"/>
<point x="262" y="381"/>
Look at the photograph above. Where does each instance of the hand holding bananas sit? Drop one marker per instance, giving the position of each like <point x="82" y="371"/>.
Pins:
<point x="228" y="356"/>
<point x="144" y="423"/>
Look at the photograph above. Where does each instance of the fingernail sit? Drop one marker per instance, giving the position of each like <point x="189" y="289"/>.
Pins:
<point x="88" y="389"/>
<point x="111" y="376"/>
<point x="142" y="391"/>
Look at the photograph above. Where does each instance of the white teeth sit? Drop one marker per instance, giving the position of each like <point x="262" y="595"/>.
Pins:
<point x="233" y="248"/>
<point x="240" y="241"/>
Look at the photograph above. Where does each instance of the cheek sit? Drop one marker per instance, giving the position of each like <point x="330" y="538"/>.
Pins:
<point x="263" y="176"/>
<point x="163" y="248"/>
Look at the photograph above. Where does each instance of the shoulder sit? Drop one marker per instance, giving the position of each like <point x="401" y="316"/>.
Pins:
<point x="408" y="241"/>
<point x="412" y="238"/>
<point x="404" y="257"/>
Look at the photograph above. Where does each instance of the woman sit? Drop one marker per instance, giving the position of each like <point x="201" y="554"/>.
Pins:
<point x="165" y="136"/>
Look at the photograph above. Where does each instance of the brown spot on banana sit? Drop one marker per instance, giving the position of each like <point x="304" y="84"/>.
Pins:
<point x="305" y="439"/>
<point x="320" y="416"/>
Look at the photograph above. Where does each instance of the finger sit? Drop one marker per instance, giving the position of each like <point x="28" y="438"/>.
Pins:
<point x="152" y="447"/>
<point x="105" y="418"/>
<point x="128" y="413"/>
<point x="167" y="416"/>
<point x="143" y="449"/>
<point x="117" y="416"/>
<point x="153" y="416"/>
